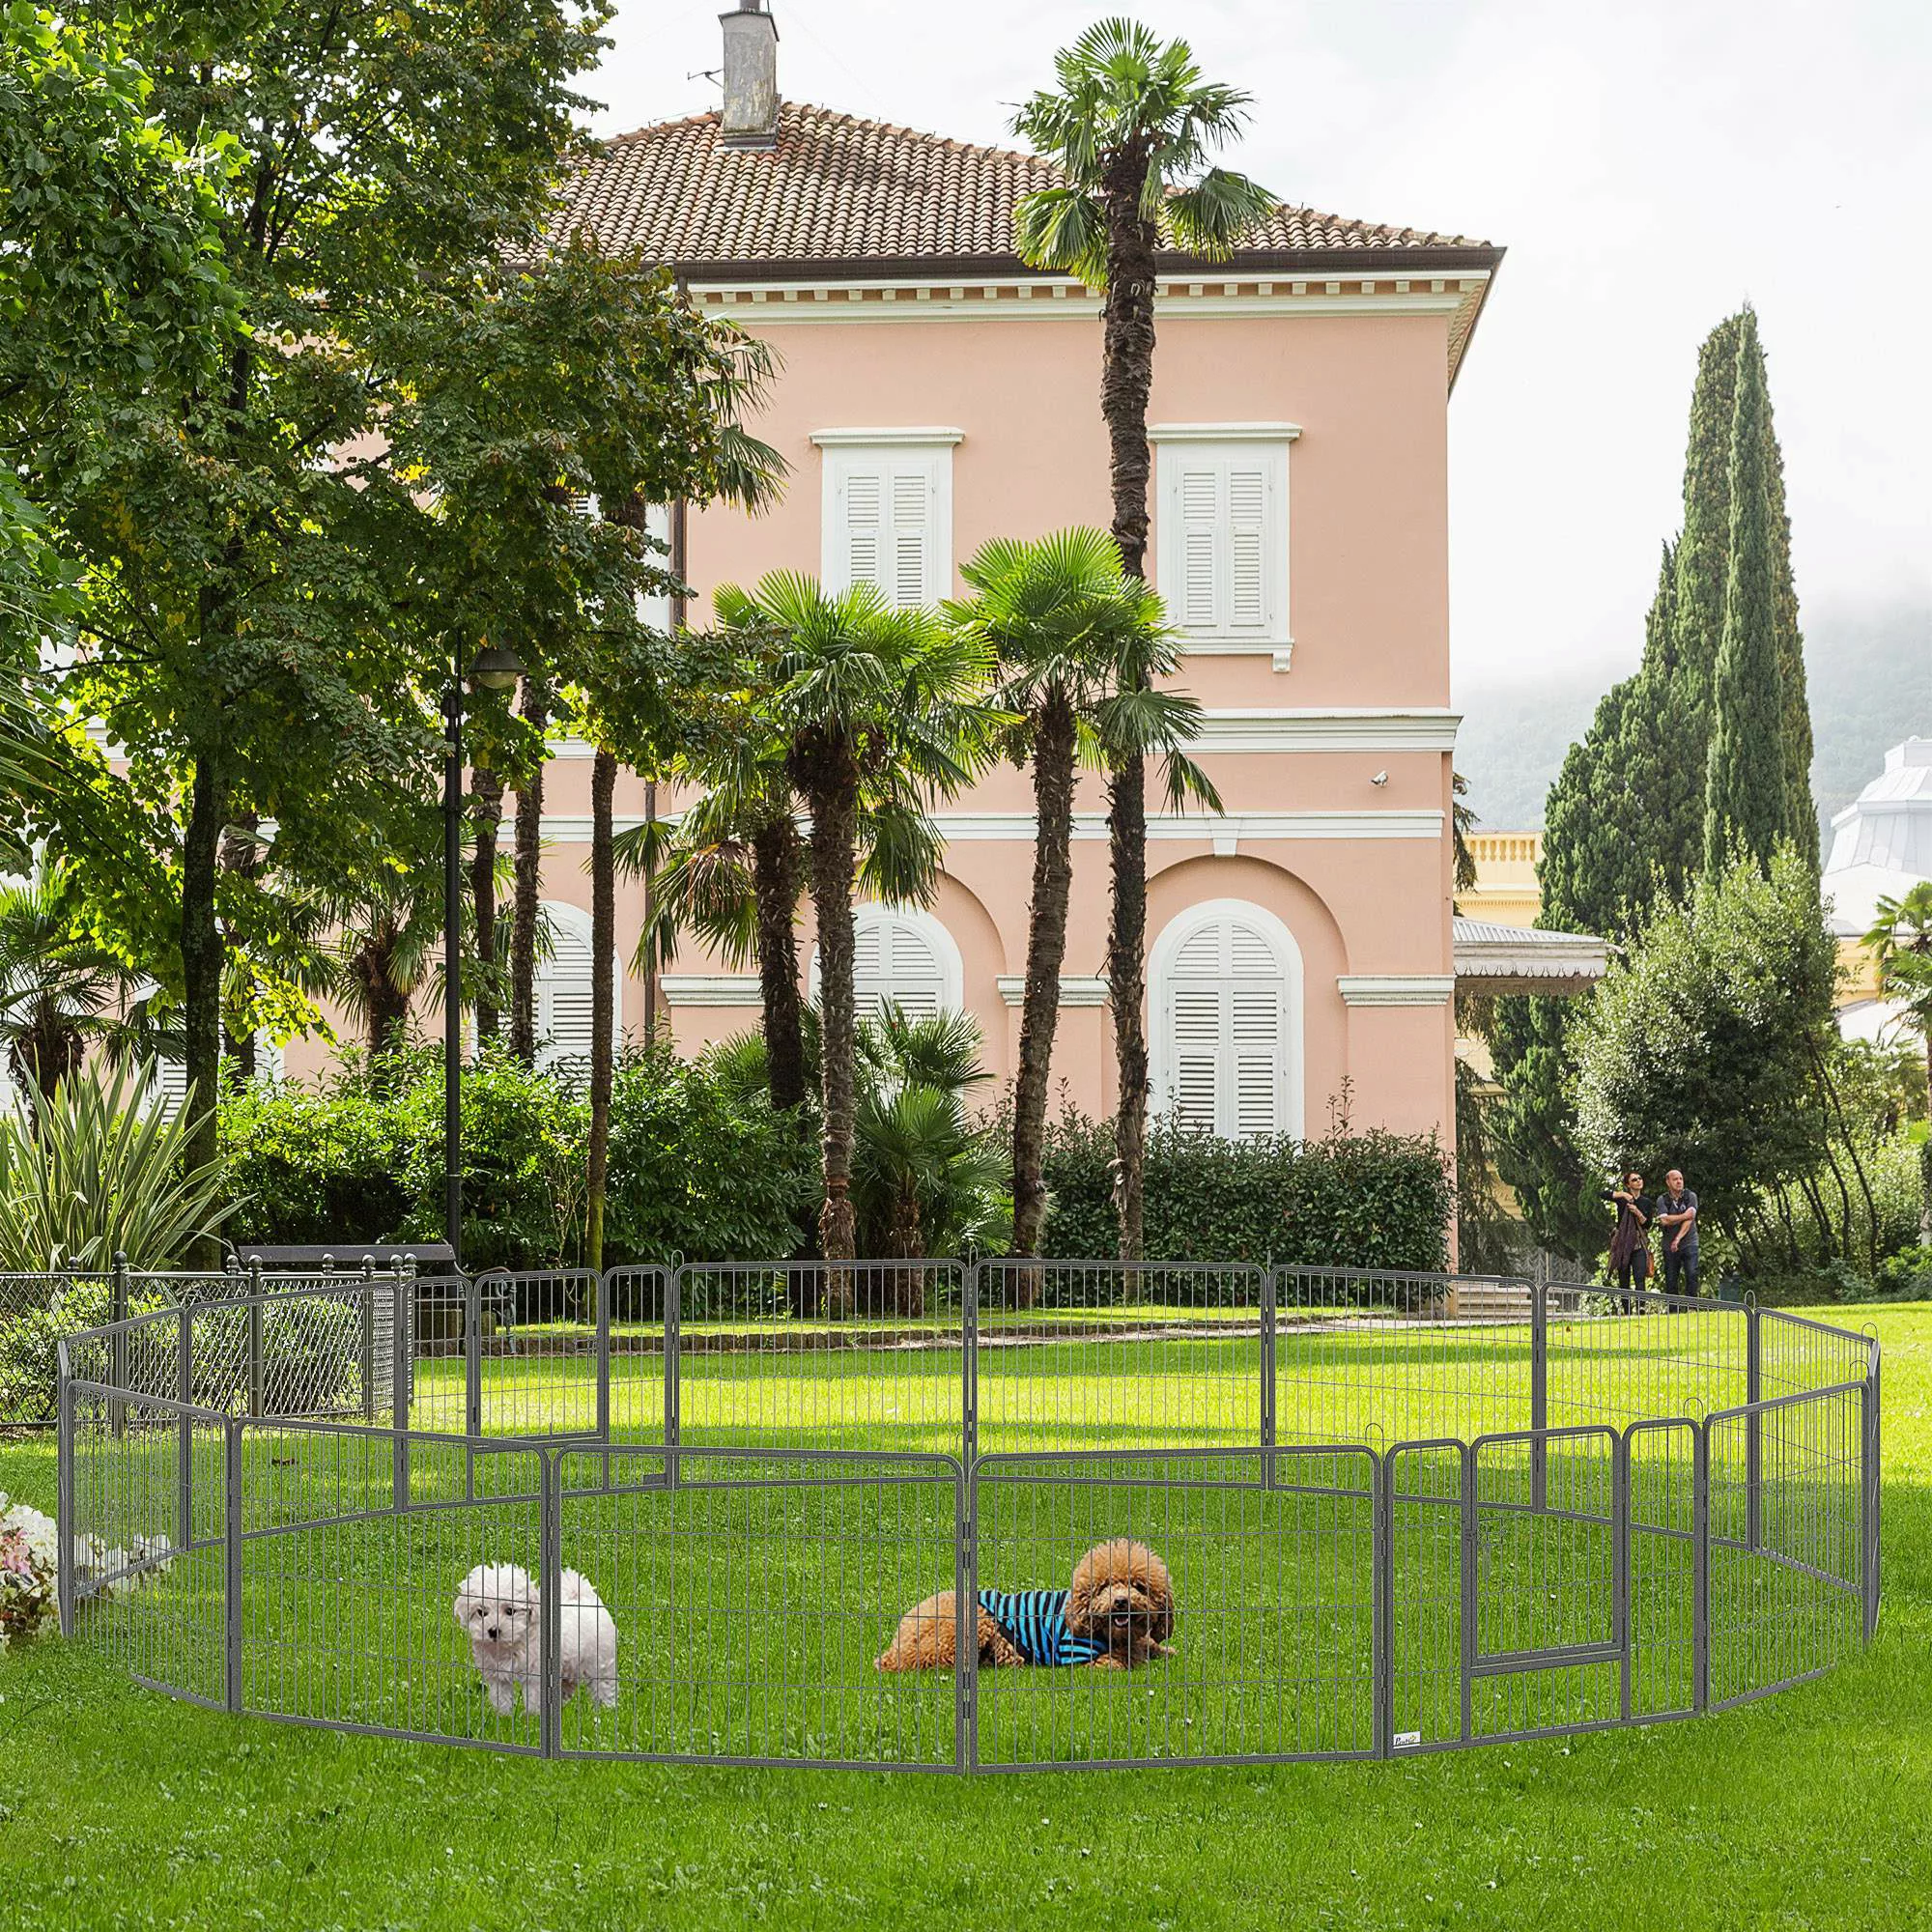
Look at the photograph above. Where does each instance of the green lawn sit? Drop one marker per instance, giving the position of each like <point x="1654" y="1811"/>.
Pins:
<point x="120" y="1807"/>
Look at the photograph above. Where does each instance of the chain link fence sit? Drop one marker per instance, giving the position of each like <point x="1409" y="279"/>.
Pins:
<point x="948" y="1516"/>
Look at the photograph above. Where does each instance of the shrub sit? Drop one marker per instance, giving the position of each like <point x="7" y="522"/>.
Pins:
<point x="93" y="1174"/>
<point x="698" y="1167"/>
<point x="1370" y="1200"/>
<point x="29" y="1350"/>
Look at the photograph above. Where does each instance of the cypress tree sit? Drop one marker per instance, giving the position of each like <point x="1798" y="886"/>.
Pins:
<point x="1747" y="797"/>
<point x="1803" y="826"/>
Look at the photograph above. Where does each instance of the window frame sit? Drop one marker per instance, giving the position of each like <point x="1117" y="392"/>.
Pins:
<point x="1174" y="443"/>
<point x="929" y="928"/>
<point x="1291" y="1056"/>
<point x="848" y="452"/>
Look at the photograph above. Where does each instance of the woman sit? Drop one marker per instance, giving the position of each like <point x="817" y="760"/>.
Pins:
<point x="1629" y="1244"/>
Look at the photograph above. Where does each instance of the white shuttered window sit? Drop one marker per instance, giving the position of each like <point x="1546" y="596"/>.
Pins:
<point x="1227" y="997"/>
<point x="1222" y="552"/>
<point x="901" y="956"/>
<point x="887" y="519"/>
<point x="563" y="990"/>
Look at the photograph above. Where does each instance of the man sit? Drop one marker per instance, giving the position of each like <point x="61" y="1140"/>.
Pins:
<point x="1677" y="1216"/>
<point x="1629" y="1243"/>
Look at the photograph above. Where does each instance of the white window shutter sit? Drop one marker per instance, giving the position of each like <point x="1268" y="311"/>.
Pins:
<point x="864" y="526"/>
<point x="912" y="496"/>
<point x="656" y="611"/>
<point x="564" y="995"/>
<point x="896" y="961"/>
<point x="1226" y="1003"/>
<point x="1247" y="547"/>
<point x="1222" y="554"/>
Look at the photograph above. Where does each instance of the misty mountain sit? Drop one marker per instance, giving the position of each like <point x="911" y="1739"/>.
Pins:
<point x="1869" y="675"/>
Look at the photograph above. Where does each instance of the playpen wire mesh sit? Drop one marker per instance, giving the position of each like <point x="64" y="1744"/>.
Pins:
<point x="1400" y="1512"/>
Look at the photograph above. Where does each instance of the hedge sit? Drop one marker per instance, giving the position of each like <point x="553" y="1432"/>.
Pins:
<point x="1371" y="1199"/>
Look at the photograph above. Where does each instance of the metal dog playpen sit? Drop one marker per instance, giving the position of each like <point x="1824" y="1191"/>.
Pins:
<point x="1400" y="1513"/>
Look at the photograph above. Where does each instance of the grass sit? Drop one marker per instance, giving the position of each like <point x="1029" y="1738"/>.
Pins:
<point x="120" y="1807"/>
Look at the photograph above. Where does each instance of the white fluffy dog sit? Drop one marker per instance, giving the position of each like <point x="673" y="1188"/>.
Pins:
<point x="500" y="1609"/>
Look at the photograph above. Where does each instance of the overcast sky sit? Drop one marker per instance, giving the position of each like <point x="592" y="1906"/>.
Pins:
<point x="1648" y="166"/>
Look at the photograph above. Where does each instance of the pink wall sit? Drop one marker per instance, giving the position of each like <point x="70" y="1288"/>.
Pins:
<point x="1369" y="607"/>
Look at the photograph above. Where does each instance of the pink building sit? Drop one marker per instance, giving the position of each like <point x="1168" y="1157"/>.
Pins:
<point x="934" y="392"/>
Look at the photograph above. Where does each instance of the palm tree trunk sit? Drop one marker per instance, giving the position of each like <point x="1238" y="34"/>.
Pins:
<point x="486" y="792"/>
<point x="833" y="860"/>
<point x="529" y="888"/>
<point x="1053" y="754"/>
<point x="1126" y="380"/>
<point x="603" y="996"/>
<point x="775" y="870"/>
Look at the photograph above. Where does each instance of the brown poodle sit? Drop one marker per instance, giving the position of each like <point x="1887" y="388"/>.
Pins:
<point x="1117" y="1613"/>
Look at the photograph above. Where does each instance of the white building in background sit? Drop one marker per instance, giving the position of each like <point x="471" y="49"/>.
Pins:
<point x="1881" y="848"/>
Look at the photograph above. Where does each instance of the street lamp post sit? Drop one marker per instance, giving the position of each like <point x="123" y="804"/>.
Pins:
<point x="495" y="667"/>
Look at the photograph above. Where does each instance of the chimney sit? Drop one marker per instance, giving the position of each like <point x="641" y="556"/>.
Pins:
<point x="750" y="77"/>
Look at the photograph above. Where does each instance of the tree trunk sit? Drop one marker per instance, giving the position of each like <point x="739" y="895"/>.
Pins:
<point x="202" y="964"/>
<point x="486" y="792"/>
<point x="524" y="933"/>
<point x="241" y="854"/>
<point x="1126" y="378"/>
<point x="1053" y="756"/>
<point x="603" y="996"/>
<point x="652" y="987"/>
<point x="775" y="870"/>
<point x="834" y="856"/>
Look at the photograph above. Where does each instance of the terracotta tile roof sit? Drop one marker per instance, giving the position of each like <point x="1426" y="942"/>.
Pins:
<point x="839" y="188"/>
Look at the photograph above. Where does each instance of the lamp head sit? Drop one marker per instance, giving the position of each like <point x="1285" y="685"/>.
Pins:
<point x="495" y="667"/>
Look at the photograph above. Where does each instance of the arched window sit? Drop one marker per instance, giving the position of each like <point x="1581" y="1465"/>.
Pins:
<point x="563" y="990"/>
<point x="903" y="955"/>
<point x="1227" y="1011"/>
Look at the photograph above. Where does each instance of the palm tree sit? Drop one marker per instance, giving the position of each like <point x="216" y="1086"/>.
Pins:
<point x="865" y="697"/>
<point x="1900" y="940"/>
<point x="1132" y="127"/>
<point x="1064" y="619"/>
<point x="61" y="990"/>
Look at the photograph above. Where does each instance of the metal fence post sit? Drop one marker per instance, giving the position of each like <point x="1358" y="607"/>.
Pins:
<point x="184" y="1428"/>
<point x="969" y="1367"/>
<point x="1754" y="1428"/>
<point x="1539" y="1394"/>
<point x="368" y="1302"/>
<point x="673" y="1310"/>
<point x="64" y="1525"/>
<point x="550" y="1599"/>
<point x="231" y="1547"/>
<point x="1382" y="1640"/>
<point x="117" y="1347"/>
<point x="1269" y="1301"/>
<point x="256" y="1405"/>
<point x="965" y="1607"/>
<point x="1870" y="1478"/>
<point x="1701" y="1587"/>
<point x="472" y="1355"/>
<point x="1620" y="1563"/>
<point x="601" y="1348"/>
<point x="400" y="1332"/>
<point x="1468" y="1561"/>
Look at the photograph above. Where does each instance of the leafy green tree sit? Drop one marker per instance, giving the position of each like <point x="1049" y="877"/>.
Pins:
<point x="1748" y="799"/>
<point x="256" y="628"/>
<point x="1134" y="127"/>
<point x="1900" y="940"/>
<point x="866" y="698"/>
<point x="1702" y="1047"/>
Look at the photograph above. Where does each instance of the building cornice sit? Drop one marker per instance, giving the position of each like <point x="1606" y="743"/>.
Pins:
<point x="1397" y="989"/>
<point x="1294" y="729"/>
<point x="710" y="989"/>
<point x="844" y="438"/>
<point x="1223" y="831"/>
<point x="1074" y="990"/>
<point x="1223" y="432"/>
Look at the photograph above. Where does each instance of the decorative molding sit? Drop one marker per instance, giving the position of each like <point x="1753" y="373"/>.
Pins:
<point x="1074" y="992"/>
<point x="1237" y="431"/>
<point x="1397" y="989"/>
<point x="874" y="438"/>
<point x="1202" y="828"/>
<point x="710" y="989"/>
<point x="1347" y="730"/>
<point x="1009" y="298"/>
